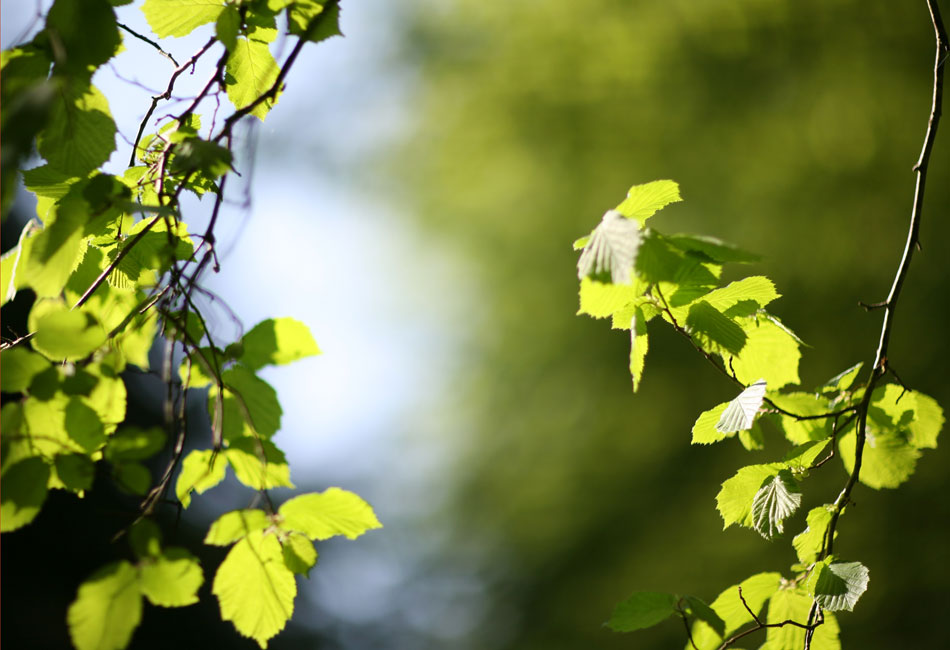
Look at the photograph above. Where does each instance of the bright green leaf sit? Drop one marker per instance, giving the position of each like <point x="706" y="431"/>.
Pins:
<point x="801" y="431"/>
<point x="299" y="553"/>
<point x="888" y="460"/>
<point x="227" y="26"/>
<point x="809" y="543"/>
<point x="703" y="612"/>
<point x="133" y="443"/>
<point x="258" y="463"/>
<point x="612" y="249"/>
<point x="68" y="335"/>
<point x="304" y="12"/>
<point x="201" y="470"/>
<point x="20" y="365"/>
<point x="770" y="352"/>
<point x="107" y="609"/>
<point x="713" y="249"/>
<point x="704" y="429"/>
<point x="86" y="34"/>
<point x="734" y="500"/>
<point x="180" y="17"/>
<point x="171" y="579"/>
<point x="80" y="135"/>
<point x="251" y="71"/>
<point x="277" y="341"/>
<point x="741" y="412"/>
<point x="255" y="398"/>
<point x="601" y="299"/>
<point x="795" y="604"/>
<point x="801" y="458"/>
<point x="713" y="330"/>
<point x="639" y="345"/>
<point x="643" y="201"/>
<point x="321" y="515"/>
<point x="22" y="493"/>
<point x="255" y="588"/>
<point x="235" y="525"/>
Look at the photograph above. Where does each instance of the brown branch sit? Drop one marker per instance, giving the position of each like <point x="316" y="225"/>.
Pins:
<point x="149" y="41"/>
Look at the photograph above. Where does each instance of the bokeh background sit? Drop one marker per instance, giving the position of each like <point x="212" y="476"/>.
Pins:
<point x="415" y="194"/>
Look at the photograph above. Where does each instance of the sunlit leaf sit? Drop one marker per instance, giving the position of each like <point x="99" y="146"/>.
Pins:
<point x="321" y="515"/>
<point x="251" y="71"/>
<point x="740" y="413"/>
<point x="107" y="609"/>
<point x="180" y="17"/>
<point x="777" y="499"/>
<point x="201" y="470"/>
<point x="299" y="553"/>
<point x="255" y="589"/>
<point x="838" y="585"/>
<point x="22" y="493"/>
<point x="734" y="500"/>
<point x="643" y="201"/>
<point x="258" y="463"/>
<point x="794" y="605"/>
<point x="277" y="341"/>
<point x="171" y="579"/>
<point x="235" y="525"/>
<point x="641" y="610"/>
<point x="809" y="543"/>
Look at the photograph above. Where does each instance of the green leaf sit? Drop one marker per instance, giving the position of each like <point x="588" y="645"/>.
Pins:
<point x="642" y="610"/>
<point x="639" y="345"/>
<point x="612" y="249"/>
<point x="75" y="471"/>
<point x="704" y="429"/>
<point x="777" y="499"/>
<point x="916" y="415"/>
<point x="133" y="443"/>
<point x="797" y="431"/>
<point x="258" y="463"/>
<point x="740" y="413"/>
<point x="80" y="135"/>
<point x="22" y="493"/>
<point x="303" y="12"/>
<point x="235" y="525"/>
<point x="86" y="35"/>
<point x="53" y="254"/>
<point x="255" y="588"/>
<point x="195" y="154"/>
<point x="734" y="500"/>
<point x="756" y="590"/>
<point x="713" y="330"/>
<point x="20" y="365"/>
<point x="808" y="543"/>
<point x="794" y="604"/>
<point x="180" y="17"/>
<point x="201" y="470"/>
<point x="145" y="538"/>
<point x="255" y="398"/>
<point x="107" y="609"/>
<point x="643" y="201"/>
<point x="801" y="458"/>
<point x="713" y="249"/>
<point x="756" y="288"/>
<point x="703" y="612"/>
<point x="227" y="26"/>
<point x="770" y="352"/>
<point x="251" y="71"/>
<point x="888" y="460"/>
<point x="171" y="579"/>
<point x="132" y="477"/>
<point x="602" y="299"/>
<point x="838" y="586"/>
<point x="68" y="335"/>
<point x="299" y="553"/>
<point x="843" y="380"/>
<point x="277" y="341"/>
<point x="321" y="515"/>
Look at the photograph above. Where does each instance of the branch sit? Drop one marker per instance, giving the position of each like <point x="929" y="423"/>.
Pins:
<point x="149" y="41"/>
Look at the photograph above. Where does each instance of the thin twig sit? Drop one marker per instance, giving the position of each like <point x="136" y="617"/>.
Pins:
<point x="149" y="41"/>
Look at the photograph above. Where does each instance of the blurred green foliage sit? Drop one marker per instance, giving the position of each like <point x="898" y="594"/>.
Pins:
<point x="791" y="128"/>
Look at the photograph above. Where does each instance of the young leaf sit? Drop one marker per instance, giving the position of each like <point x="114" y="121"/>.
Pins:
<point x="68" y="335"/>
<point x="802" y="457"/>
<point x="713" y="249"/>
<point x="809" y="542"/>
<point x="276" y="341"/>
<point x="756" y="590"/>
<point x="776" y="500"/>
<point x="304" y="12"/>
<point x="643" y="201"/>
<point x="255" y="398"/>
<point x="299" y="553"/>
<point x="107" y="609"/>
<point x="171" y="579"/>
<point x="603" y="299"/>
<point x="916" y="414"/>
<point x="22" y="493"/>
<point x="838" y="586"/>
<point x="612" y="248"/>
<point x="797" y="431"/>
<point x="235" y="525"/>
<point x="641" y="610"/>
<point x="80" y="135"/>
<point x="321" y="515"/>
<point x="705" y="430"/>
<point x="734" y="500"/>
<point x="201" y="470"/>
<point x="843" y="380"/>
<point x="740" y="413"/>
<point x="255" y="588"/>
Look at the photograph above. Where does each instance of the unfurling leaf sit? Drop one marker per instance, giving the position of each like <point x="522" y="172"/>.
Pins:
<point x="741" y="412"/>
<point x="776" y="500"/>
<point x="612" y="248"/>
